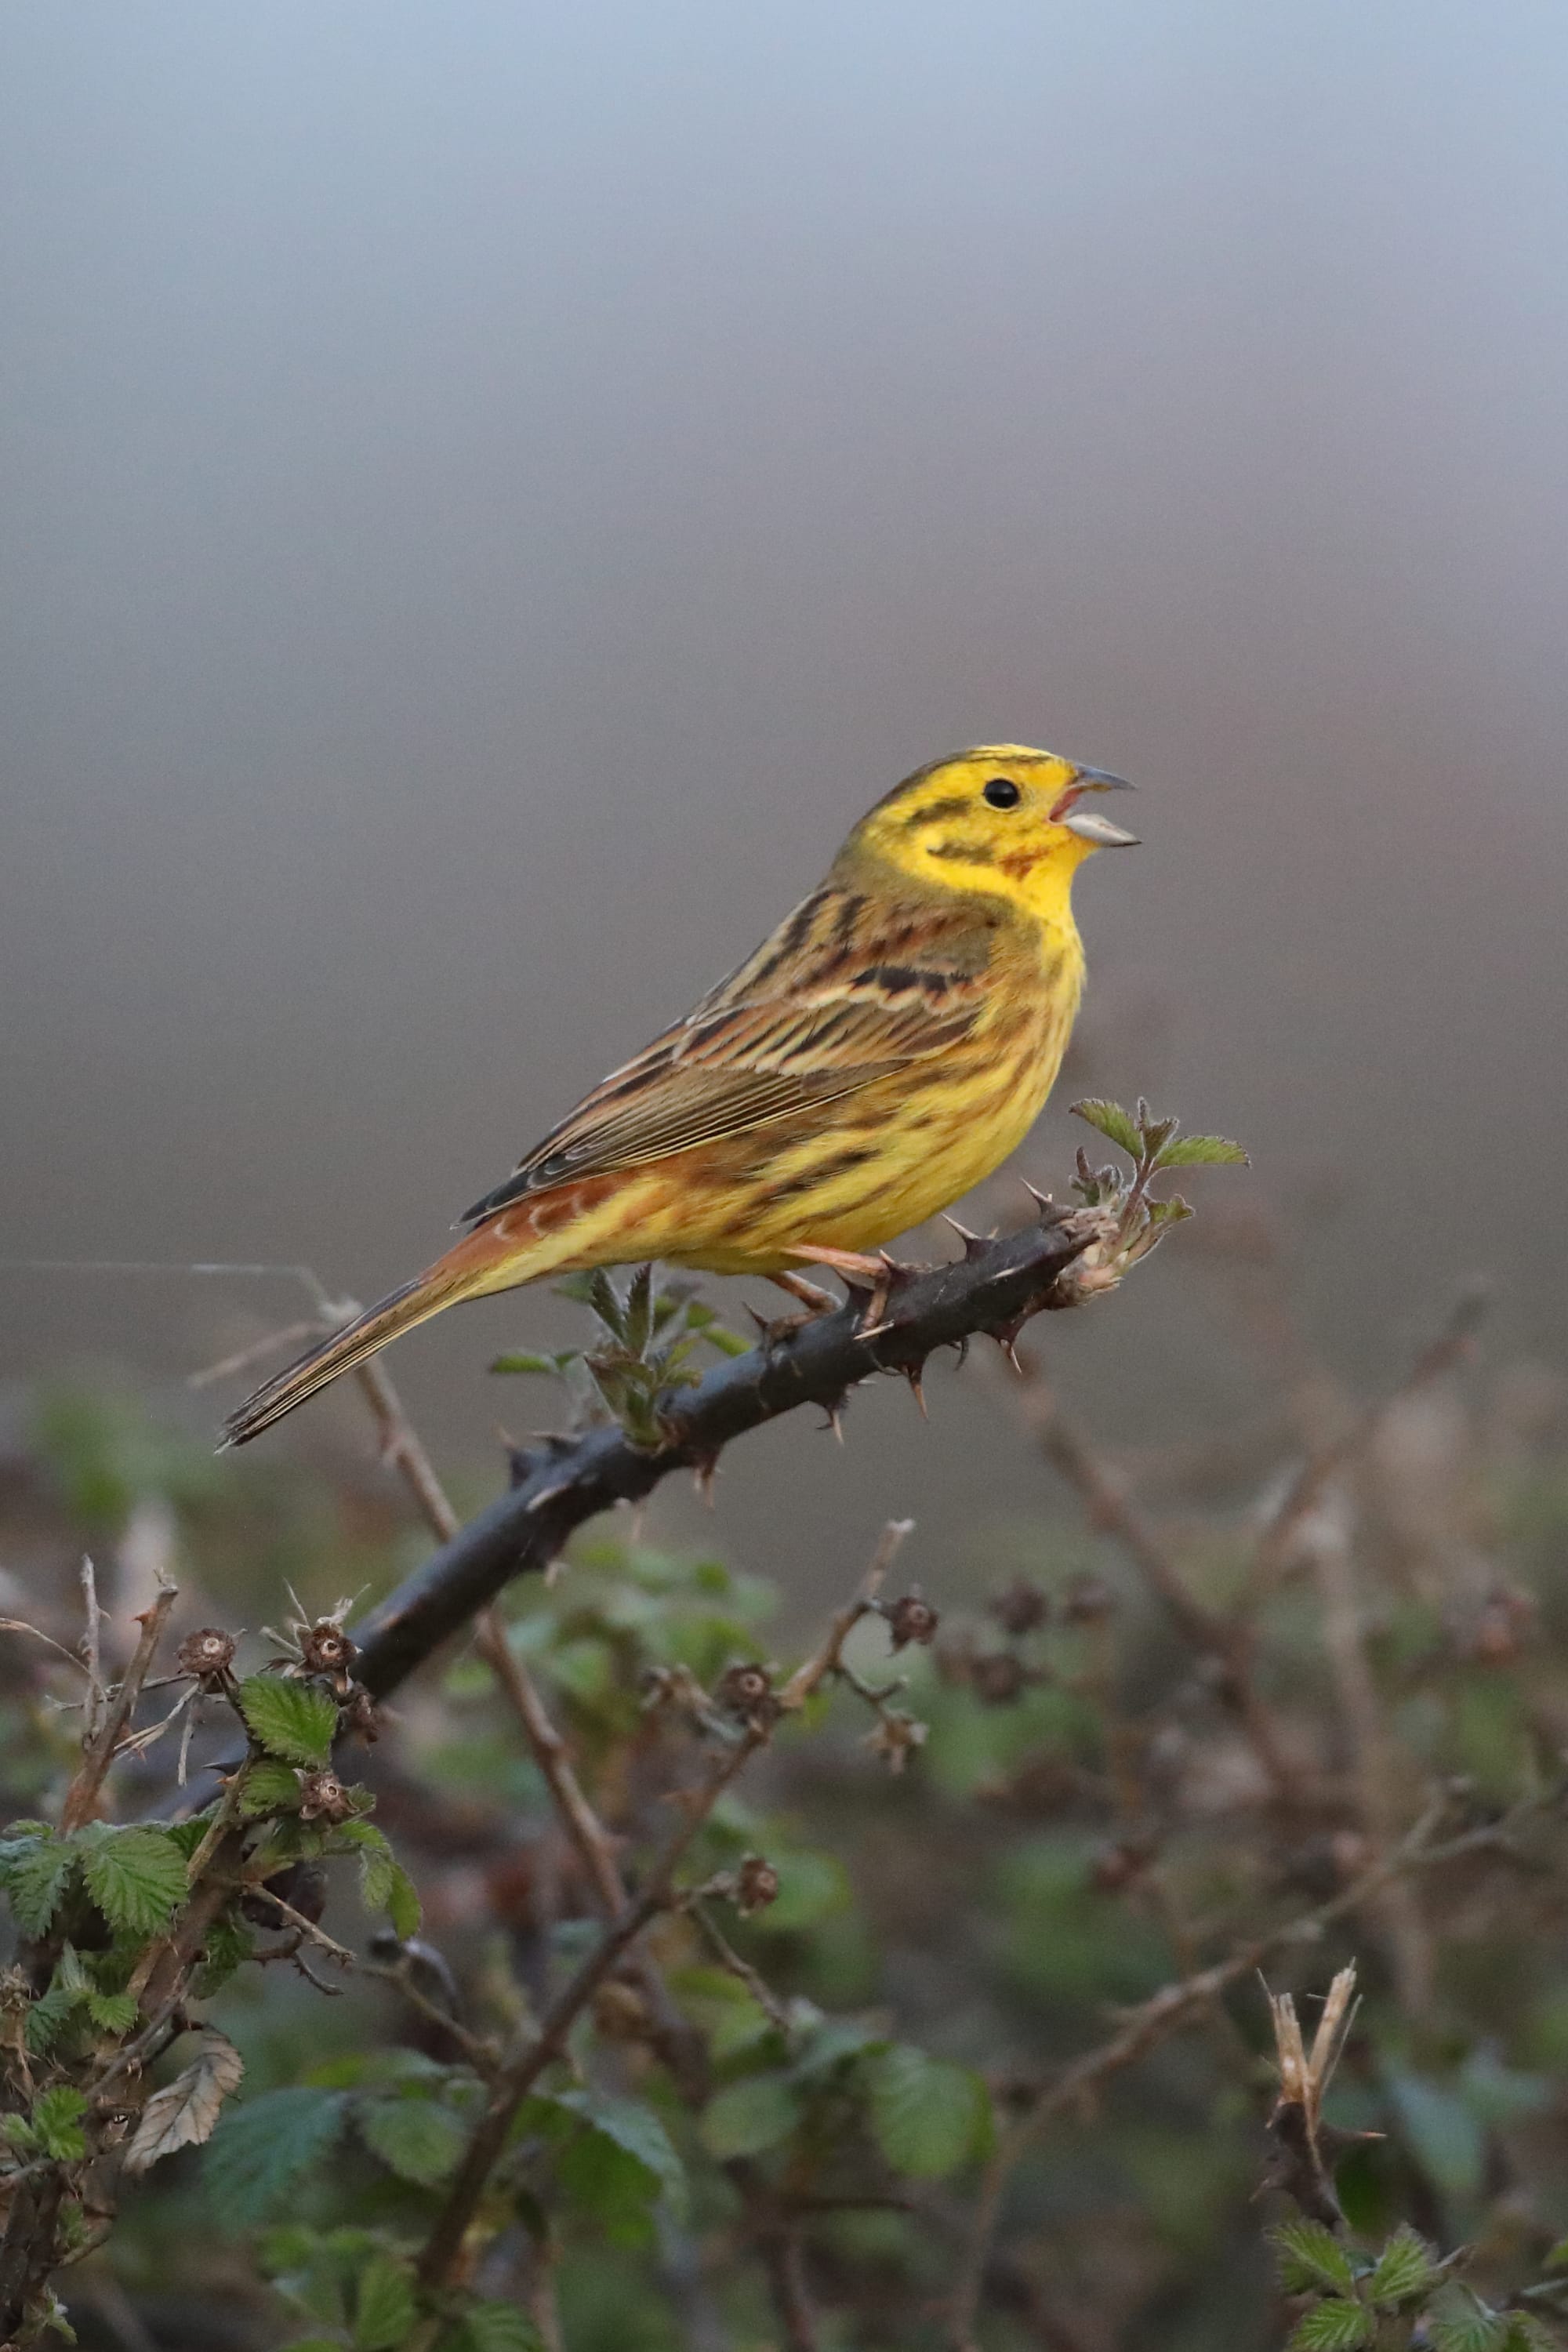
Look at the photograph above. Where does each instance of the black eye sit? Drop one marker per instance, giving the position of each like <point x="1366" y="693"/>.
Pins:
<point x="1001" y="793"/>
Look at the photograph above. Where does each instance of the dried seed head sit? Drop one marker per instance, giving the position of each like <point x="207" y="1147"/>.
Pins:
<point x="748" y="1690"/>
<point x="323" y="1798"/>
<point x="208" y="1654"/>
<point x="1020" y="1608"/>
<point x="894" y="1736"/>
<point x="326" y="1649"/>
<point x="756" y="1884"/>
<point x="911" y="1618"/>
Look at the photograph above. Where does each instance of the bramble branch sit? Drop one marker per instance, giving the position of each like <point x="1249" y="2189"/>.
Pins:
<point x="993" y="1289"/>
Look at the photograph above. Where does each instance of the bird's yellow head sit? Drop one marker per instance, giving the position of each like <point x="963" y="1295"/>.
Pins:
<point x="1002" y="819"/>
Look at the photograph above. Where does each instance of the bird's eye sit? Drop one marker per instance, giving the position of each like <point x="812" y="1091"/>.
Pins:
<point x="1001" y="793"/>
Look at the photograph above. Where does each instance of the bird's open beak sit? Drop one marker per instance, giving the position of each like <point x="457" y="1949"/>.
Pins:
<point x="1088" y="823"/>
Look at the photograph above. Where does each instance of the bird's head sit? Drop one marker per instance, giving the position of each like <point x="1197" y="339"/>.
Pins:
<point x="1002" y="819"/>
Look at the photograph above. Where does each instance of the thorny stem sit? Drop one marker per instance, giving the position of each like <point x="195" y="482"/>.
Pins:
<point x="81" y="1797"/>
<point x="994" y="1290"/>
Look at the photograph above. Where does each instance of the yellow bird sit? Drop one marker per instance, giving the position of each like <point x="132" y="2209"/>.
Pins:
<point x="883" y="1051"/>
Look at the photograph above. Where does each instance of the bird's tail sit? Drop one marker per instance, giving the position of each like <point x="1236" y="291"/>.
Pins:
<point x="466" y="1271"/>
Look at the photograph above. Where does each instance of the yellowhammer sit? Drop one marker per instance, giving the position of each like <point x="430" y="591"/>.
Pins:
<point x="882" y="1051"/>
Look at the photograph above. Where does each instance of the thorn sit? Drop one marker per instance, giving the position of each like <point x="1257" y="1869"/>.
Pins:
<point x="703" y="1471"/>
<point x="974" y="1244"/>
<point x="913" y="1374"/>
<point x="1006" y="1335"/>
<point x="835" y="1411"/>
<point x="763" y="1322"/>
<point x="961" y="1349"/>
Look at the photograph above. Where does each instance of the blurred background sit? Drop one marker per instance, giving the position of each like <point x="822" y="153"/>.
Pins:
<point x="491" y="493"/>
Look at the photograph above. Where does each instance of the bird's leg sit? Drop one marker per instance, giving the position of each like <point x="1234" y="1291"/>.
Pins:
<point x="811" y="1295"/>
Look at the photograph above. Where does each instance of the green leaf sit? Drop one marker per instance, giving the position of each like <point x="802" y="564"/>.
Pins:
<point x="1404" y="2268"/>
<point x="419" y="2139"/>
<point x="499" y="2327"/>
<point x="639" y="1329"/>
<point x="136" y="1877"/>
<point x="228" y="1945"/>
<point x="1202" y="1152"/>
<point x="33" y="1870"/>
<point x="259" y="2152"/>
<point x="384" y="1883"/>
<point x="55" y="2119"/>
<point x="271" y="1787"/>
<point x="384" y="2309"/>
<point x="1527" y="2334"/>
<point x="927" y="2115"/>
<point x="1113" y="1121"/>
<point x="1459" y="2322"/>
<point x="291" y="1719"/>
<point x="49" y="2014"/>
<point x="639" y="2133"/>
<point x="1333" y="2326"/>
<point x="1310" y="2257"/>
<point x="525" y="1360"/>
<point x="115" y="2012"/>
<point x="747" y="2116"/>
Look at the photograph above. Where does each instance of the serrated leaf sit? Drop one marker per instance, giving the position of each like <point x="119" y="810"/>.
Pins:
<point x="271" y="1787"/>
<point x="384" y="2307"/>
<point x="1113" y="1121"/>
<point x="499" y="2327"/>
<point x="49" y="2015"/>
<point x="1310" y="2256"/>
<point x="34" y="1872"/>
<point x="1526" y="2333"/>
<point x="114" y="2012"/>
<point x="419" y="2139"/>
<point x="751" y="2115"/>
<point x="639" y="1311"/>
<point x="1459" y="2322"/>
<point x="184" y="2112"/>
<point x="1202" y="1152"/>
<point x="230" y="1943"/>
<point x="55" y="2120"/>
<point x="927" y="2115"/>
<point x="293" y="1720"/>
<point x="639" y="2133"/>
<point x="384" y="1883"/>
<point x="1404" y="2270"/>
<point x="258" y="2151"/>
<point x="136" y="1877"/>
<point x="1333" y="2326"/>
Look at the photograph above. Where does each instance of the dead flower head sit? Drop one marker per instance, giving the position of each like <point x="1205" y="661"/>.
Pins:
<point x="896" y="1734"/>
<point x="206" y="1655"/>
<point x="323" y="1798"/>
<point x="756" y="1884"/>
<point x="911" y="1618"/>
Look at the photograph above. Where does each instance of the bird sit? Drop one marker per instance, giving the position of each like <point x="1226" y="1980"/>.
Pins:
<point x="883" y="1051"/>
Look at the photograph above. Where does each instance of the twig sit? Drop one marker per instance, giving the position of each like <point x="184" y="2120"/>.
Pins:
<point x="518" y="2075"/>
<point x="1112" y="1511"/>
<point x="1277" y="1540"/>
<point x="730" y="1959"/>
<point x="1170" y="2009"/>
<point x="92" y="1651"/>
<point x="526" y="1529"/>
<point x="81" y="1797"/>
<point x="829" y="1659"/>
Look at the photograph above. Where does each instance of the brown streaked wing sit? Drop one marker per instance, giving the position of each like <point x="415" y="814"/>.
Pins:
<point x="844" y="992"/>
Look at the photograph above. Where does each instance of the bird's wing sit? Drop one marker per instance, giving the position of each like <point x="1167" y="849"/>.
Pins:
<point x="844" y="992"/>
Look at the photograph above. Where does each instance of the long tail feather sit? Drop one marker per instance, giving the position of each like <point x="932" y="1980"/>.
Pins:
<point x="466" y="1271"/>
<point x="398" y="1312"/>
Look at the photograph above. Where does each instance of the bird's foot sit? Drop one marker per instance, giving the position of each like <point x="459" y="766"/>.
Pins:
<point x="872" y="1276"/>
<point x="814" y="1303"/>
